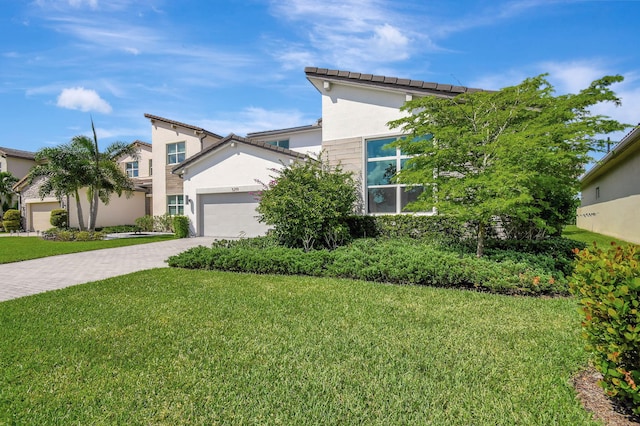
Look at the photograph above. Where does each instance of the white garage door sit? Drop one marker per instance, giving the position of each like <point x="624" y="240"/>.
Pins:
<point x="230" y="215"/>
<point x="40" y="215"/>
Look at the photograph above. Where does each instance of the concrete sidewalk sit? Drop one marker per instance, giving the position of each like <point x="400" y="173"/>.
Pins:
<point x="50" y="273"/>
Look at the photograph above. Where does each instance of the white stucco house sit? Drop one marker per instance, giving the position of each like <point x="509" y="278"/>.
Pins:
<point x="610" y="192"/>
<point x="213" y="179"/>
<point x="36" y="211"/>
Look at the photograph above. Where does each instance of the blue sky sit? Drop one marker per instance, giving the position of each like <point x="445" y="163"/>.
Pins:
<point x="238" y="66"/>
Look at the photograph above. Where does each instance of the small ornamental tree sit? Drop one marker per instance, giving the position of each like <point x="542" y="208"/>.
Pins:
<point x="59" y="218"/>
<point x="308" y="204"/>
<point x="516" y="153"/>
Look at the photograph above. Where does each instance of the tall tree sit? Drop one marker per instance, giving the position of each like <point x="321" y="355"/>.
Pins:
<point x="516" y="153"/>
<point x="79" y="164"/>
<point x="7" y="180"/>
<point x="64" y="172"/>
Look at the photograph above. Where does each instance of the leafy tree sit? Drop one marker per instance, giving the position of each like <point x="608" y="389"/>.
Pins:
<point x="308" y="203"/>
<point x="7" y="180"/>
<point x="79" y="164"/>
<point x="516" y="153"/>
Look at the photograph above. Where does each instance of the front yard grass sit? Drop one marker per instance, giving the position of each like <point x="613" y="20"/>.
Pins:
<point x="172" y="346"/>
<point x="15" y="249"/>
<point x="603" y="241"/>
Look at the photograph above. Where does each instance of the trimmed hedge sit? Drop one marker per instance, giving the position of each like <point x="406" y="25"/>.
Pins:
<point x="59" y="218"/>
<point x="55" y="234"/>
<point x="181" y="226"/>
<point x="607" y="283"/>
<point x="11" y="221"/>
<point x="401" y="261"/>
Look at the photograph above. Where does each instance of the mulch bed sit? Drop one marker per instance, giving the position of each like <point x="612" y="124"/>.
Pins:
<point x="595" y="401"/>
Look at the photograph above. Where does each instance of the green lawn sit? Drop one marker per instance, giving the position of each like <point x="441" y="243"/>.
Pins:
<point x="171" y="346"/>
<point x="604" y="241"/>
<point x="14" y="249"/>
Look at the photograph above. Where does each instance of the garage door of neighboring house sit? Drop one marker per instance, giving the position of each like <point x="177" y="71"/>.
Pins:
<point x="230" y="215"/>
<point x="40" y="215"/>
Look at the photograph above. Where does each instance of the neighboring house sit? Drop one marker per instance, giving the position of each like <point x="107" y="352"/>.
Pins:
<point x="16" y="162"/>
<point x="220" y="175"/>
<point x="36" y="211"/>
<point x="140" y="170"/>
<point x="610" y="202"/>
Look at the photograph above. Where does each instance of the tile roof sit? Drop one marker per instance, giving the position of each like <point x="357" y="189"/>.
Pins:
<point x="235" y="138"/>
<point x="143" y="143"/>
<point x="393" y="83"/>
<point x="188" y="126"/>
<point x="10" y="152"/>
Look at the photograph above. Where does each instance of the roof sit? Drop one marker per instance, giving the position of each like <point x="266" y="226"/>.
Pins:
<point x="188" y="126"/>
<point x="631" y="139"/>
<point x="266" y="133"/>
<point x="142" y="143"/>
<point x="10" y="152"/>
<point x="235" y="138"/>
<point x="393" y="83"/>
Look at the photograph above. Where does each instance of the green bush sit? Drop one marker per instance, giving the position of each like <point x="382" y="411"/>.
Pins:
<point x="145" y="223"/>
<point x="56" y="234"/>
<point x="420" y="226"/>
<point x="181" y="226"/>
<point x="59" y="218"/>
<point x="401" y="261"/>
<point x="308" y="204"/>
<point x="607" y="283"/>
<point x="163" y="223"/>
<point x="11" y="221"/>
<point x="118" y="229"/>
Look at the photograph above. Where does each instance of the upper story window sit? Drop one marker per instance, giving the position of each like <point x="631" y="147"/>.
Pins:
<point x="383" y="162"/>
<point x="131" y="168"/>
<point x="284" y="143"/>
<point x="176" y="153"/>
<point x="150" y="167"/>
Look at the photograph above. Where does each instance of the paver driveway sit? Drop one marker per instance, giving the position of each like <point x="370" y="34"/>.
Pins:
<point x="20" y="279"/>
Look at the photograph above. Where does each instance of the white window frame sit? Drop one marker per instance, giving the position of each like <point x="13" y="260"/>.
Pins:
<point x="398" y="157"/>
<point x="283" y="143"/>
<point x="176" y="202"/>
<point x="132" y="168"/>
<point x="176" y="155"/>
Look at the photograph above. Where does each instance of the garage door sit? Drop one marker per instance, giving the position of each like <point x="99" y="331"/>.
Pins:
<point x="230" y="215"/>
<point x="40" y="215"/>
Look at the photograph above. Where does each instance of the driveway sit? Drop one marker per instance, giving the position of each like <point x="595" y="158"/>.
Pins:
<point x="51" y="273"/>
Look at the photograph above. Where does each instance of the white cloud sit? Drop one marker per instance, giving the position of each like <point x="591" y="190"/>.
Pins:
<point x="83" y="99"/>
<point x="354" y="34"/>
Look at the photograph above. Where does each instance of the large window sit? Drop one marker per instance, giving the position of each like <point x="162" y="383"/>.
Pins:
<point x="175" y="204"/>
<point x="175" y="153"/>
<point x="131" y="168"/>
<point x="282" y="143"/>
<point x="383" y="162"/>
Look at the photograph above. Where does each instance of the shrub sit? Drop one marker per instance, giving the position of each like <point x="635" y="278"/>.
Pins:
<point x="11" y="221"/>
<point x="308" y="204"/>
<point x="59" y="218"/>
<point x="181" y="226"/>
<point x="56" y="234"/>
<point x="401" y="261"/>
<point x="145" y="223"/>
<point x="607" y="283"/>
<point x="119" y="229"/>
<point x="163" y="223"/>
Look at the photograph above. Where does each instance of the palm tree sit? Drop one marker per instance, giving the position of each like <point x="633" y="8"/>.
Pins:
<point x="79" y="164"/>
<point x="63" y="171"/>
<point x="106" y="177"/>
<point x="7" y="180"/>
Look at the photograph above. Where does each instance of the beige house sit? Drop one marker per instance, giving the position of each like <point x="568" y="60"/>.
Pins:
<point x="610" y="201"/>
<point x="36" y="211"/>
<point x="16" y="162"/>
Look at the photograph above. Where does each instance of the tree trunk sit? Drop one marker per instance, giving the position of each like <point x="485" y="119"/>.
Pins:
<point x="93" y="217"/>
<point x="79" y="209"/>
<point x="481" y="235"/>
